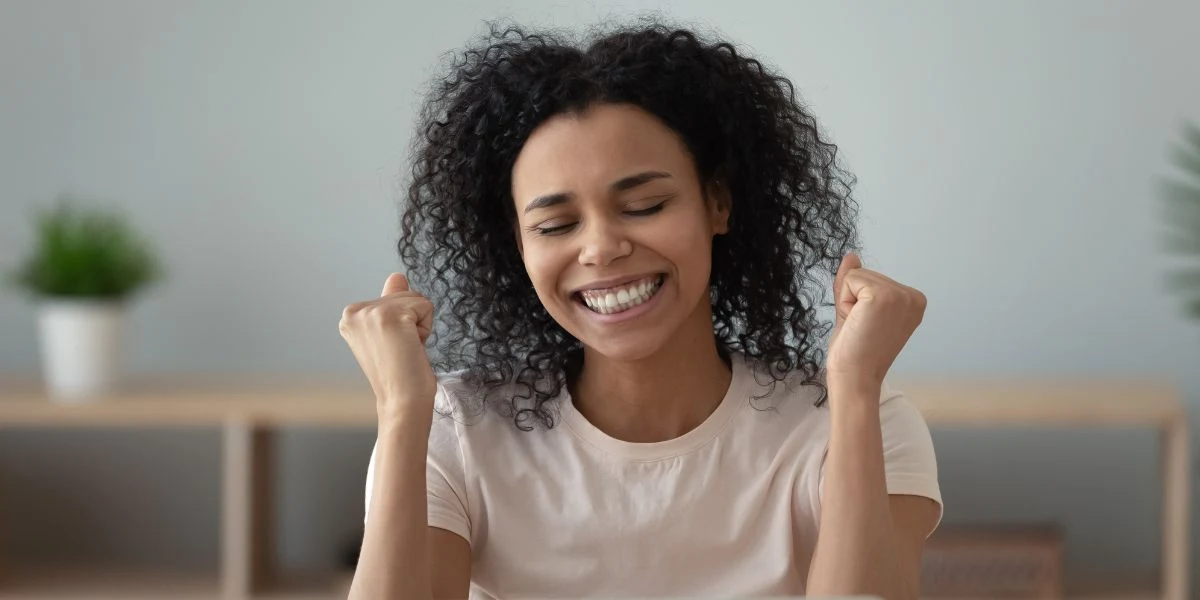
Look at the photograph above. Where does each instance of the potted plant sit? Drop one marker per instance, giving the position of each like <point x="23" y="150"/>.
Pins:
<point x="85" y="266"/>
<point x="1182" y="212"/>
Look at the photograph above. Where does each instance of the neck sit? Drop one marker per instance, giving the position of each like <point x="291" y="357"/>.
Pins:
<point x="656" y="398"/>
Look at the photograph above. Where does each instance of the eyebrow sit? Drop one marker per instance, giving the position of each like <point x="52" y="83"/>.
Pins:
<point x="623" y="184"/>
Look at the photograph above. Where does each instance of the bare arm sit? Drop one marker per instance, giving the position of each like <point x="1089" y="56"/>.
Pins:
<point x="402" y="557"/>
<point x="868" y="542"/>
<point x="388" y="336"/>
<point x="451" y="556"/>
<point x="394" y="562"/>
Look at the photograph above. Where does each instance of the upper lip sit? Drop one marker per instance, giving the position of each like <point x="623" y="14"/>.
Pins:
<point x="614" y="282"/>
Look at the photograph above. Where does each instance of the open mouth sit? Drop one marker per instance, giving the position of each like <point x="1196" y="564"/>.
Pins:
<point x="621" y="298"/>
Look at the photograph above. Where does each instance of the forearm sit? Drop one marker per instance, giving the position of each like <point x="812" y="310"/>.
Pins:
<point x="394" y="562"/>
<point x="856" y="550"/>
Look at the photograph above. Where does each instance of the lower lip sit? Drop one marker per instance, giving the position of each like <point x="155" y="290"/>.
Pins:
<point x="632" y="313"/>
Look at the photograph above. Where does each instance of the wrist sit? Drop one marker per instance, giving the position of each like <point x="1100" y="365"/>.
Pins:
<point x="403" y="422"/>
<point x="854" y="399"/>
<point x="854" y="417"/>
<point x="853" y="384"/>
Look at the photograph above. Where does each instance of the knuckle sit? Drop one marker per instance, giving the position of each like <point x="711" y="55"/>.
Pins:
<point x="346" y="323"/>
<point x="388" y="314"/>
<point x="377" y="314"/>
<point x="350" y="311"/>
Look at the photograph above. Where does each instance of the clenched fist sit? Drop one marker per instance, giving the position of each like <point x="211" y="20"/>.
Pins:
<point x="875" y="318"/>
<point x="387" y="336"/>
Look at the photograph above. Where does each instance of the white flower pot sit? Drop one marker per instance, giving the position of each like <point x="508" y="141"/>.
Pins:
<point x="80" y="346"/>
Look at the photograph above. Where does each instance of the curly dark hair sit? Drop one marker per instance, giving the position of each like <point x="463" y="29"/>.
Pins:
<point x="792" y="216"/>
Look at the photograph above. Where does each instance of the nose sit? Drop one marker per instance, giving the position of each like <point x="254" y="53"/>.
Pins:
<point x="602" y="243"/>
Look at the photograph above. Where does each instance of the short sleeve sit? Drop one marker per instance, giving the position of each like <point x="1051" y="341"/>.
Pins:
<point x="445" y="475"/>
<point x="909" y="462"/>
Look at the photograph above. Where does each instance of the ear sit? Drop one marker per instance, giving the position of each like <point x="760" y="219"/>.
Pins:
<point x="719" y="202"/>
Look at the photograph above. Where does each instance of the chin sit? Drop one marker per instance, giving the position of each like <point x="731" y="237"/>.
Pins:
<point x="631" y="349"/>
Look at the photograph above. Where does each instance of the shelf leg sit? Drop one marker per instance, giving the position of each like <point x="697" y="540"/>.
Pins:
<point x="247" y="498"/>
<point x="1177" y="489"/>
<point x="3" y="541"/>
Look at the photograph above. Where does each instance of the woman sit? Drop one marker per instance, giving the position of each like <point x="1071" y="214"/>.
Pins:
<point x="625" y="243"/>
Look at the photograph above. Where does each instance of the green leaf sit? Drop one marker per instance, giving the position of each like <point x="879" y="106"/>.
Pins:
<point x="1180" y="223"/>
<point x="1183" y="281"/>
<point x="86" y="252"/>
<point x="1187" y="159"/>
<point x="1181" y="196"/>
<point x="1186" y="243"/>
<point x="1181" y="215"/>
<point x="1192" y="306"/>
<point x="1191" y="134"/>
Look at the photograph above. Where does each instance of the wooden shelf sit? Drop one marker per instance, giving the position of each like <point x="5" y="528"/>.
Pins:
<point x="190" y="400"/>
<point x="193" y="401"/>
<point x="1048" y="402"/>
<point x="250" y="409"/>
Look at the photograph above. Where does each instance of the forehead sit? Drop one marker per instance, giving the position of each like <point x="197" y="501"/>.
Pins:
<point x="575" y="152"/>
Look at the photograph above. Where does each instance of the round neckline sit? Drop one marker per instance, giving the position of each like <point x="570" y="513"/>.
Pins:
<point x="735" y="398"/>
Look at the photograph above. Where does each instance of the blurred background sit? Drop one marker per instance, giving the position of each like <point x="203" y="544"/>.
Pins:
<point x="1007" y="153"/>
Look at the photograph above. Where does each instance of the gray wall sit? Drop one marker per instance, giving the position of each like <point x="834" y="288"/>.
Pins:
<point x="1006" y="153"/>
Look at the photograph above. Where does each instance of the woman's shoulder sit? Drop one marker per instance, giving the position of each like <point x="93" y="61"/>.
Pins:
<point x="798" y="384"/>
<point x="796" y="397"/>
<point x="477" y="425"/>
<point x="464" y="399"/>
<point x="795" y="387"/>
<point x="454" y="389"/>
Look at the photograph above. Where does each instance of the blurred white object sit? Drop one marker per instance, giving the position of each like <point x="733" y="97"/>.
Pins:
<point x="80" y="346"/>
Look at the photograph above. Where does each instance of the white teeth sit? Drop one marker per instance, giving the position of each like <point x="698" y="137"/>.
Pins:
<point x="623" y="299"/>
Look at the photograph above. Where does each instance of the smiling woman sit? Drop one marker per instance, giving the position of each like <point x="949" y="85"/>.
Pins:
<point x="623" y="244"/>
<point x="628" y="216"/>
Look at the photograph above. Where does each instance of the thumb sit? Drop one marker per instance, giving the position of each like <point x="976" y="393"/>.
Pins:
<point x="396" y="283"/>
<point x="843" y="299"/>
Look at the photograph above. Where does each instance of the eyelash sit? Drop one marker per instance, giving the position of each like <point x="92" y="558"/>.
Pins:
<point x="561" y="229"/>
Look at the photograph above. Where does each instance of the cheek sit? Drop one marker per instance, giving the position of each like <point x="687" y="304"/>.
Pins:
<point x="543" y="267"/>
<point x="698" y="263"/>
<point x="690" y="248"/>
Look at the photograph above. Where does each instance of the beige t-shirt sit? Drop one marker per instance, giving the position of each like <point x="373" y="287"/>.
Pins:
<point x="730" y="508"/>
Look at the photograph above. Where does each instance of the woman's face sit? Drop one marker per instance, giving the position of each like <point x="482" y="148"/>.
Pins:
<point x="614" y="229"/>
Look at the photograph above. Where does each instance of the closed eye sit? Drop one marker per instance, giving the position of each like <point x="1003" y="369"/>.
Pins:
<point x="646" y="211"/>
<point x="556" y="230"/>
<point x="561" y="229"/>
